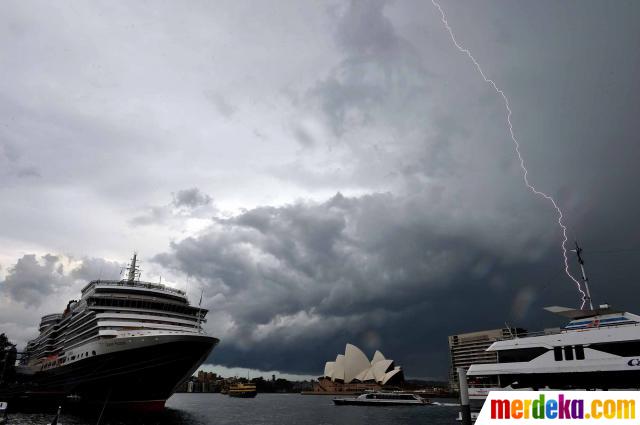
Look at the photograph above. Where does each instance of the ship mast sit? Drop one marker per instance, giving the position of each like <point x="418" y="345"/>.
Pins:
<point x="585" y="280"/>
<point x="134" y="269"/>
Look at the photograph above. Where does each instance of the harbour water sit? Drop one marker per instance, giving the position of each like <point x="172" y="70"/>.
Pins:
<point x="265" y="409"/>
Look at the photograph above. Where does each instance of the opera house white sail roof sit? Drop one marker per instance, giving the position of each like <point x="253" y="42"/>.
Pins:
<point x="354" y="366"/>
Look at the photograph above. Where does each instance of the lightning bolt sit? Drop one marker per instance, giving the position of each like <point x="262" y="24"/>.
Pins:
<point x="525" y="172"/>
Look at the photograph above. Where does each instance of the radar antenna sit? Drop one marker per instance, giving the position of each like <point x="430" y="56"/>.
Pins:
<point x="578" y="252"/>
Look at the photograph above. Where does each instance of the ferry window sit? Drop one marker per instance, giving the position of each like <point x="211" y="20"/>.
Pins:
<point x="93" y="353"/>
<point x="568" y="352"/>
<point x="557" y="353"/>
<point x="623" y="349"/>
<point x="579" y="352"/>
<point x="520" y="354"/>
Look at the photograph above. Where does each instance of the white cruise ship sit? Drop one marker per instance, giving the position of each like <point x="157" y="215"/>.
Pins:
<point x="125" y="343"/>
<point x="598" y="349"/>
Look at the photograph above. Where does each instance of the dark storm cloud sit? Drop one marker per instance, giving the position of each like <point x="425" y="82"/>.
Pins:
<point x="389" y="113"/>
<point x="37" y="285"/>
<point x="380" y="69"/>
<point x="286" y="286"/>
<point x="303" y="137"/>
<point x="364" y="29"/>
<point x="461" y="246"/>
<point x="96" y="268"/>
<point x="436" y="233"/>
<point x="12" y="162"/>
<point x="154" y="215"/>
<point x="221" y="104"/>
<point x="32" y="280"/>
<point x="186" y="203"/>
<point x="190" y="198"/>
<point x="28" y="172"/>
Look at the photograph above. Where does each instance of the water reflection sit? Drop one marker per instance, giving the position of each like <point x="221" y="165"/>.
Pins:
<point x="266" y="409"/>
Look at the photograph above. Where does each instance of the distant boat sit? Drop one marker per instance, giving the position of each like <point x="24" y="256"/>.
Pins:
<point x="242" y="390"/>
<point x="381" y="398"/>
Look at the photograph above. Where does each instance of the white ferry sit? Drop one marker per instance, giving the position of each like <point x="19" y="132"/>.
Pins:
<point x="382" y="398"/>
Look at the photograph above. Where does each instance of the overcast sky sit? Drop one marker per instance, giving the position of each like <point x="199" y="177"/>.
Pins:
<point x="328" y="172"/>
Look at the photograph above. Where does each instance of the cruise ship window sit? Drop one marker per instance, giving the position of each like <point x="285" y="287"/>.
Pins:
<point x="568" y="352"/>
<point x="579" y="352"/>
<point x="557" y="353"/>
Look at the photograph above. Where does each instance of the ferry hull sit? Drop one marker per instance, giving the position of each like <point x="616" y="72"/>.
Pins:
<point x="356" y="402"/>
<point x="248" y="394"/>
<point x="627" y="379"/>
<point x="141" y="378"/>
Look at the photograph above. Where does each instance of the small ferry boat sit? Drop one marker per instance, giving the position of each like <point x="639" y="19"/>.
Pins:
<point x="381" y="398"/>
<point x="242" y="390"/>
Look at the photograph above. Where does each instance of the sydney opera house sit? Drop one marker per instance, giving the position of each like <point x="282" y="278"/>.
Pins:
<point x="353" y="372"/>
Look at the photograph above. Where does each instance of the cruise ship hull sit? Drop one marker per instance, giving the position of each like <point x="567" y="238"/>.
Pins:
<point x="135" y="374"/>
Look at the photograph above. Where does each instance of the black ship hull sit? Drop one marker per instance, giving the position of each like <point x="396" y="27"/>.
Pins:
<point x="140" y="378"/>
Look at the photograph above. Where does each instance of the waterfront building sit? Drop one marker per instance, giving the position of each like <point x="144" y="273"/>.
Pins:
<point x="470" y="348"/>
<point x="353" y="372"/>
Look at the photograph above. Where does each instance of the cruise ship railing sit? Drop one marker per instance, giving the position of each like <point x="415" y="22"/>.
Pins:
<point x="148" y="285"/>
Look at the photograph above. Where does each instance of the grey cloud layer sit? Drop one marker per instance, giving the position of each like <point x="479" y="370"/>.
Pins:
<point x="120" y="123"/>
